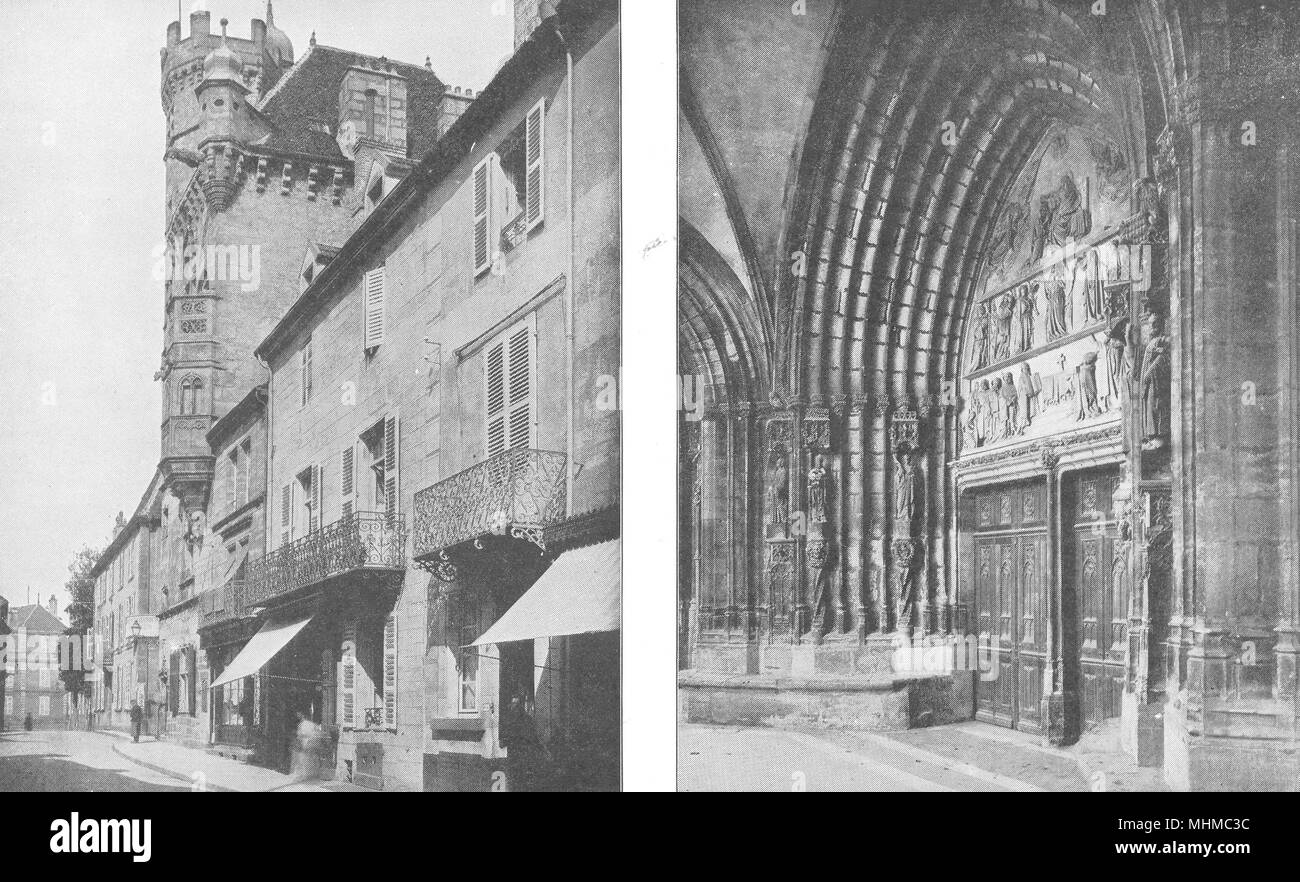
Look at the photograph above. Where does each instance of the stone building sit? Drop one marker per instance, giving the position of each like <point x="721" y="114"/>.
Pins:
<point x="266" y="150"/>
<point x="994" y="307"/>
<point x="441" y="462"/>
<point x="32" y="687"/>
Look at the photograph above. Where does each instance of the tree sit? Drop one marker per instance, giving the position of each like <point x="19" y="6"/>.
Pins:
<point x="81" y="615"/>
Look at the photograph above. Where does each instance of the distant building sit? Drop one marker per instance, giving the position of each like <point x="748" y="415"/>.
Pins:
<point x="33" y="686"/>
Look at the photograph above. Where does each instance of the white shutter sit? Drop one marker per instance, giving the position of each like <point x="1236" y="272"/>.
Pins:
<point x="347" y="480"/>
<point x="483" y="215"/>
<point x="390" y="672"/>
<point x="392" y="449"/>
<point x="286" y="514"/>
<point x="495" y="399"/>
<point x="374" y="308"/>
<point x="536" y="157"/>
<point x="348" y="679"/>
<point x="519" y="392"/>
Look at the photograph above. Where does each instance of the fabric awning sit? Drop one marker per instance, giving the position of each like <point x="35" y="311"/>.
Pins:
<point x="274" y="636"/>
<point x="581" y="593"/>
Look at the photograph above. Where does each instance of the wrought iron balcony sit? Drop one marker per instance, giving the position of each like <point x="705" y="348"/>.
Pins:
<point x="517" y="493"/>
<point x="363" y="540"/>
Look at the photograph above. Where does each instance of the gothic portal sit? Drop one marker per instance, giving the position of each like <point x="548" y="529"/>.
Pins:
<point x="990" y="308"/>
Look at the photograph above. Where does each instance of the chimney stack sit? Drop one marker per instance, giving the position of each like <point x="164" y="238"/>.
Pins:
<point x="201" y="24"/>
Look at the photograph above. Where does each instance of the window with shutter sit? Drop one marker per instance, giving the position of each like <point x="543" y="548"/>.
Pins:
<point x="374" y="308"/>
<point x="482" y="215"/>
<point x="392" y="450"/>
<point x="510" y="390"/>
<point x="286" y="514"/>
<point x="536" y="152"/>
<point x="192" y="669"/>
<point x="348" y="679"/>
<point x="347" y="480"/>
<point x="390" y="672"/>
<point x="304" y="360"/>
<point x="317" y="497"/>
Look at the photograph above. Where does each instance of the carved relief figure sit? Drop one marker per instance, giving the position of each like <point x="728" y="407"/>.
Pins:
<point x="1155" y="386"/>
<point x="1003" y="311"/>
<point x="907" y="487"/>
<point x="778" y="488"/>
<point x="984" y="420"/>
<point x="817" y="491"/>
<point x="905" y="558"/>
<point x="1062" y="217"/>
<point x="1058" y="311"/>
<point x="1028" y="386"/>
<point x="1086" y="382"/>
<point x="824" y="604"/>
<point x="1010" y="406"/>
<point x="1028" y="309"/>
<point x="980" y="339"/>
<point x="1116" y="343"/>
<point x="1148" y="205"/>
<point x="997" y="420"/>
<point x="1006" y="235"/>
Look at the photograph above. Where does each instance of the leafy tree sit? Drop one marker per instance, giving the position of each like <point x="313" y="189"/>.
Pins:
<point x="81" y="615"/>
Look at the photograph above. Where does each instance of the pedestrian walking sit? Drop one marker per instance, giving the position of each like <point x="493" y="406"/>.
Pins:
<point x="137" y="719"/>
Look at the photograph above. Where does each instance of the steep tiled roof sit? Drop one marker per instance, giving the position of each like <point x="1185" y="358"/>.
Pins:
<point x="303" y="106"/>
<point x="36" y="619"/>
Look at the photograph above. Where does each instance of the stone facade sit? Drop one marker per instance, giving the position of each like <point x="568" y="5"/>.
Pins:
<point x="1016" y="368"/>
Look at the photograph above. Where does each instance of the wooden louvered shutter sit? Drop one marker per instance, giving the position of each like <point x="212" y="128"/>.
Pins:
<point x="374" y="308"/>
<point x="317" y="498"/>
<point x="390" y="672"/>
<point x="192" y="679"/>
<point x="536" y="156"/>
<point x="495" y="372"/>
<point x="348" y="679"/>
<point x="483" y="215"/>
<point x="519" y="388"/>
<point x="392" y="448"/>
<point x="286" y="514"/>
<point x="304" y="366"/>
<point x="347" y="480"/>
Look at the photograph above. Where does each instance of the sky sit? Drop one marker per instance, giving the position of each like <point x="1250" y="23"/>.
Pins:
<point x="81" y="217"/>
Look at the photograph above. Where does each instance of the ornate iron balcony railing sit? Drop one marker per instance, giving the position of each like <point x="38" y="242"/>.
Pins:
<point x="363" y="540"/>
<point x="516" y="493"/>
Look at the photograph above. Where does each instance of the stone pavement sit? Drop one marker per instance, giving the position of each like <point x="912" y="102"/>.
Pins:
<point x="204" y="771"/>
<point x="960" y="757"/>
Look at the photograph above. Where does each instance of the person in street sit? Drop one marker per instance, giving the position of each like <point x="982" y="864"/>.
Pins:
<point x="137" y="720"/>
<point x="527" y="753"/>
<point x="304" y="764"/>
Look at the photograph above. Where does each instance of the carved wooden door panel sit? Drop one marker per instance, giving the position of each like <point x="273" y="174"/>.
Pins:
<point x="1010" y="578"/>
<point x="1099" y="599"/>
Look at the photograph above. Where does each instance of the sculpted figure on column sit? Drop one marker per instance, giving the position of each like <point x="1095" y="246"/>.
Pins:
<point x="817" y="491"/>
<point x="907" y="488"/>
<point x="1155" y="385"/>
<point x="778" y="488"/>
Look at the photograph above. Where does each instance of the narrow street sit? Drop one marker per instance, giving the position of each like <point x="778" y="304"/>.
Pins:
<point x="62" y="760"/>
<point x="967" y="757"/>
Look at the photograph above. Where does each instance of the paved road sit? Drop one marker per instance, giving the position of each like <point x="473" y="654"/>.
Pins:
<point x="941" y="760"/>
<point x="71" y="761"/>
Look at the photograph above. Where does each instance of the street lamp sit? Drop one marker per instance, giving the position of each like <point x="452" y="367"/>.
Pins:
<point x="135" y="631"/>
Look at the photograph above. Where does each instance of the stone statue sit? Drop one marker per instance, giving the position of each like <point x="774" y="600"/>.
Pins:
<point x="1027" y="388"/>
<point x="1003" y="311"/>
<point x="983" y="397"/>
<point x="905" y="559"/>
<point x="778" y="488"/>
<point x="980" y="339"/>
<point x="1028" y="309"/>
<point x="1155" y="386"/>
<point x="1116" y="343"/>
<point x="1146" y="199"/>
<point x="996" y="405"/>
<point x="1086" y="383"/>
<point x="1010" y="406"/>
<point x="1062" y="217"/>
<point x="907" y="486"/>
<point x="1058" y="308"/>
<point x="824" y="603"/>
<point x="817" y="491"/>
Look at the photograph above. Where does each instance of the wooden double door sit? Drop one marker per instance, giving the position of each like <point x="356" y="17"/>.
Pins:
<point x="1013" y="582"/>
